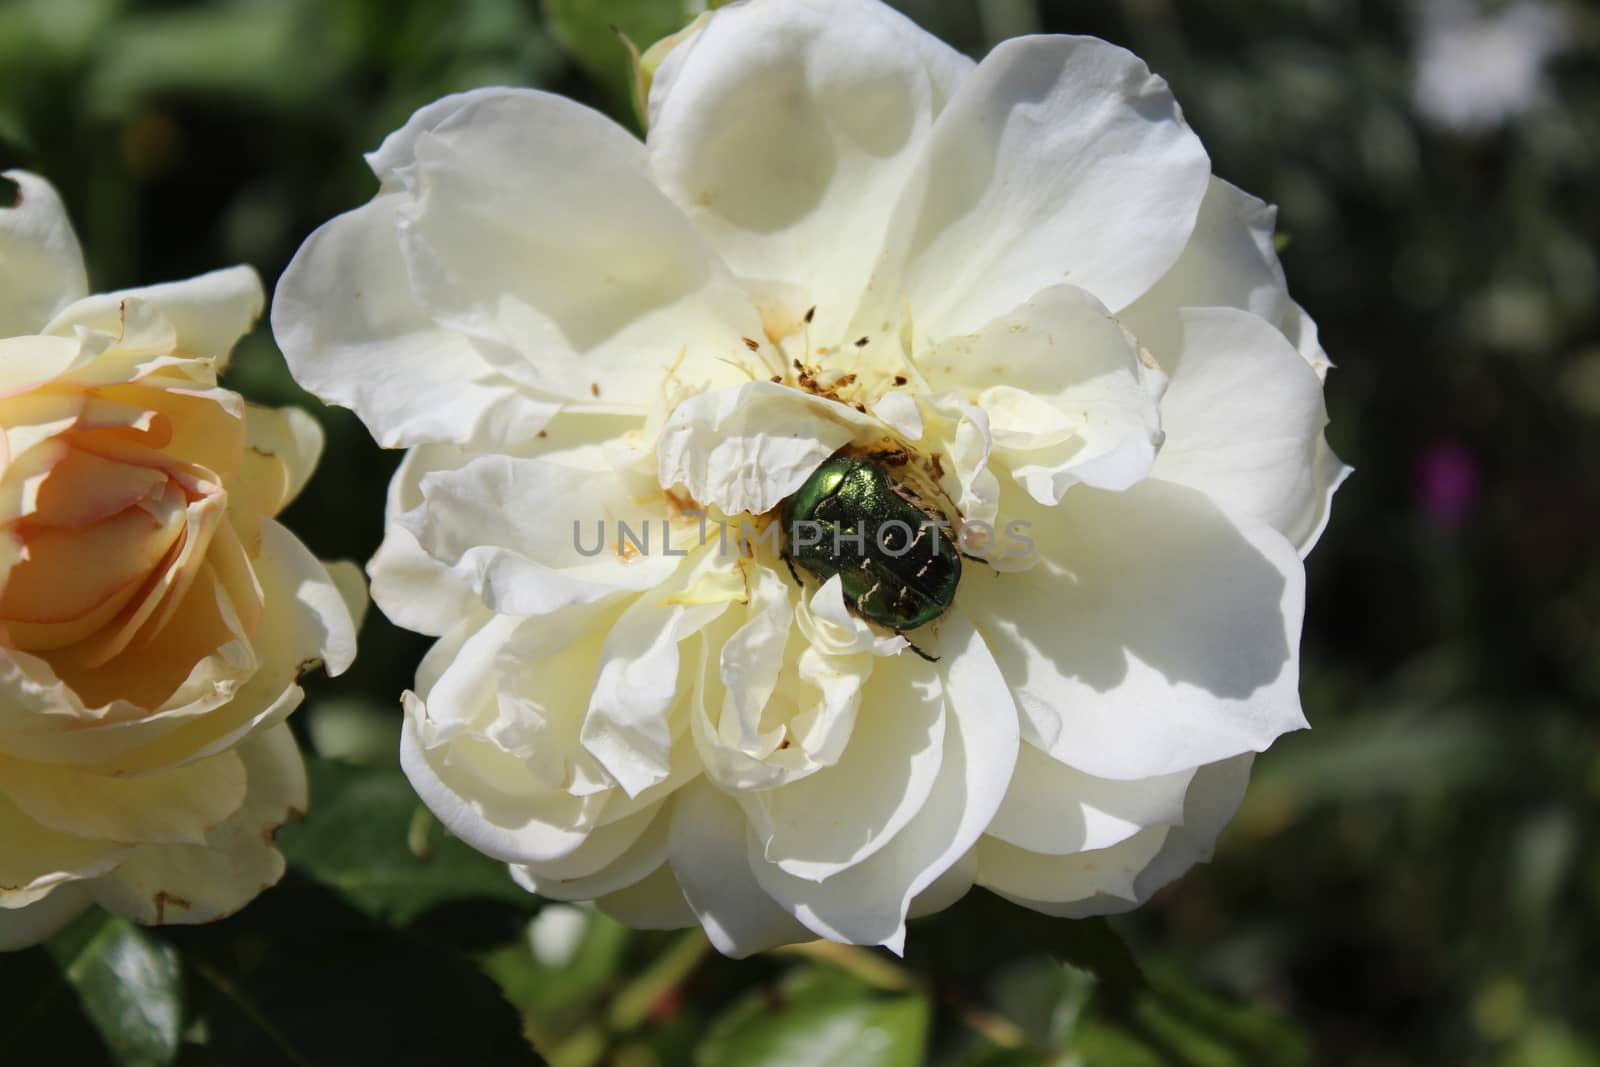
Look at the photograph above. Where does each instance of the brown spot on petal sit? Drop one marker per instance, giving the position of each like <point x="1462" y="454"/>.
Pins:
<point x="594" y="389"/>
<point x="751" y="343"/>
<point x="162" y="899"/>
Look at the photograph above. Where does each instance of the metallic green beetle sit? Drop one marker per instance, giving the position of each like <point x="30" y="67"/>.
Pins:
<point x="852" y="518"/>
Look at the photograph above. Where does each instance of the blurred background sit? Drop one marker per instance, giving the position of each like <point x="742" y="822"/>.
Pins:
<point x="1414" y="881"/>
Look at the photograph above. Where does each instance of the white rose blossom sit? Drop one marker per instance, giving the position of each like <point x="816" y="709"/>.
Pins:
<point x="838" y="233"/>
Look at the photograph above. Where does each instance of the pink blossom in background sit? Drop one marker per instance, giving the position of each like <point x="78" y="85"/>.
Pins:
<point x="1447" y="483"/>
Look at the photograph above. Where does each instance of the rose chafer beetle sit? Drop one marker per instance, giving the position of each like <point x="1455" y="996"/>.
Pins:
<point x="892" y="552"/>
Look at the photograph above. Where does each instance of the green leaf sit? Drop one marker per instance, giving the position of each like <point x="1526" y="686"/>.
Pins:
<point x="1212" y="1030"/>
<point x="302" y="978"/>
<point x="995" y="1056"/>
<point x="560" y="996"/>
<point x="274" y="53"/>
<point x="984" y="934"/>
<point x="101" y="991"/>
<point x="36" y="33"/>
<point x="819" y="1017"/>
<point x="370" y="838"/>
<point x="1105" y="1045"/>
<point x="592" y="35"/>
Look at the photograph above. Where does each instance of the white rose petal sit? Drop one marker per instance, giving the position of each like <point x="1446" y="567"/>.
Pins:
<point x="1158" y="632"/>
<point x="346" y="302"/>
<point x="1059" y="159"/>
<point x="726" y="895"/>
<point x="1068" y="397"/>
<point x="30" y="924"/>
<point x="41" y="266"/>
<point x="599" y="281"/>
<point x="1077" y="888"/>
<point x="784" y="129"/>
<point x="746" y="449"/>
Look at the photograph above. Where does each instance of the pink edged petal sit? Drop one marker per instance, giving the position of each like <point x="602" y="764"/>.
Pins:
<point x="1158" y="631"/>
<point x="83" y="489"/>
<point x="310" y="621"/>
<point x="1058" y="159"/>
<point x="781" y="127"/>
<point x="310" y="618"/>
<point x="74" y="582"/>
<point x="41" y="268"/>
